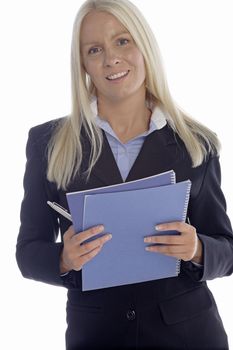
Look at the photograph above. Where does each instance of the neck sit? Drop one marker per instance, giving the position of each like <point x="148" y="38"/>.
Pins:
<point x="128" y="118"/>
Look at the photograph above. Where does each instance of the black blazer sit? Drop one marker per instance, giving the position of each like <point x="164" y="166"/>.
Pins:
<point x="171" y="313"/>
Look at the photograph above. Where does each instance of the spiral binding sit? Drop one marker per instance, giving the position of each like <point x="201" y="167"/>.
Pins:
<point x="186" y="200"/>
<point x="178" y="262"/>
<point x="173" y="177"/>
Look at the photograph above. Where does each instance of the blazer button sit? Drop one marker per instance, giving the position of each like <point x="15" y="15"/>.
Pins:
<point x="131" y="315"/>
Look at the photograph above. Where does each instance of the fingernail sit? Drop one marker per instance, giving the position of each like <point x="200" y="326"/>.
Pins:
<point x="147" y="239"/>
<point x="100" y="227"/>
<point x="109" y="236"/>
<point x="158" y="227"/>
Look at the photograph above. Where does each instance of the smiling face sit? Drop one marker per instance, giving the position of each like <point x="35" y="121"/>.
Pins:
<point x="111" y="57"/>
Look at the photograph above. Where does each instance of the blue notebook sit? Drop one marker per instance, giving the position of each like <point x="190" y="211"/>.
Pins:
<point x="130" y="216"/>
<point x="76" y="199"/>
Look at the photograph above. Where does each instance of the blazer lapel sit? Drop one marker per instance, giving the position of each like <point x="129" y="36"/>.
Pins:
<point x="106" y="169"/>
<point x="160" y="152"/>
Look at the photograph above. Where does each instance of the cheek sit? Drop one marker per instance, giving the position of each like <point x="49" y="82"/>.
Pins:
<point x="89" y="70"/>
<point x="93" y="71"/>
<point x="138" y="63"/>
<point x="142" y="70"/>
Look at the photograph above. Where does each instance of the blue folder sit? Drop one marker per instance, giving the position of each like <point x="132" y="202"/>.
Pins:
<point x="130" y="216"/>
<point x="76" y="199"/>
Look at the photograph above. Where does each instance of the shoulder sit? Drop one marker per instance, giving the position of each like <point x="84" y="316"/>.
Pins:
<point x="209" y="144"/>
<point x="43" y="132"/>
<point x="39" y="137"/>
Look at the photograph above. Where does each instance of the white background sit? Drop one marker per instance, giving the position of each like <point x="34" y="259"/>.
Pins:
<point x="195" y="38"/>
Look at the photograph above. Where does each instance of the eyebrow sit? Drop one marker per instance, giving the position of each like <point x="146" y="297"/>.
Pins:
<point x="114" y="36"/>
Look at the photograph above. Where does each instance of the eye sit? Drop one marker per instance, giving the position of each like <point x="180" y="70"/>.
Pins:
<point x="122" y="41"/>
<point x="94" y="50"/>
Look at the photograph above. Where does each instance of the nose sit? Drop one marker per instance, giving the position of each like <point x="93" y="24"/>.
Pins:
<point x="111" y="57"/>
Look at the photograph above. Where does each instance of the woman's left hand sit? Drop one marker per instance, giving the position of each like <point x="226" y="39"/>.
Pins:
<point x="186" y="246"/>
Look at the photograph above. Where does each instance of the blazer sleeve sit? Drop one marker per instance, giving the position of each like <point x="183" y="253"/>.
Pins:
<point x="207" y="213"/>
<point x="37" y="252"/>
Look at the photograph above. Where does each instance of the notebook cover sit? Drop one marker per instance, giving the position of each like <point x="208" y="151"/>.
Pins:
<point x="130" y="216"/>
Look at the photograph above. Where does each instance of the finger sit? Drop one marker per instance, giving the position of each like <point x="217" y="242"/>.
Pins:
<point x="168" y="249"/>
<point x="87" y="257"/>
<point x="85" y="248"/>
<point x="172" y="251"/>
<point x="69" y="233"/>
<point x="91" y="232"/>
<point x="166" y="239"/>
<point x="170" y="226"/>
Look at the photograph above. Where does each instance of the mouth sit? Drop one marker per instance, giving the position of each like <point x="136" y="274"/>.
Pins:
<point x="118" y="76"/>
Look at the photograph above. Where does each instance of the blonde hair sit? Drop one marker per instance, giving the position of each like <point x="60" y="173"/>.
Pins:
<point x="65" y="148"/>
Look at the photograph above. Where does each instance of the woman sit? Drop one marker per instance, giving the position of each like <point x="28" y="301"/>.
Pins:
<point x="124" y="126"/>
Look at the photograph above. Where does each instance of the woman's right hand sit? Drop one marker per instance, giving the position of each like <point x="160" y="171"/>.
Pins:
<point x="75" y="254"/>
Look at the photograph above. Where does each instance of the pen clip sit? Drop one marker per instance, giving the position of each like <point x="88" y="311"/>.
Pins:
<point x="58" y="205"/>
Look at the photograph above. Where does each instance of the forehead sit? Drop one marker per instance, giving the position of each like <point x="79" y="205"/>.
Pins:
<point x="97" y="25"/>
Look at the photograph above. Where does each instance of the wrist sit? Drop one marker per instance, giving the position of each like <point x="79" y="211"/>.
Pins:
<point x="198" y="257"/>
<point x="64" y="268"/>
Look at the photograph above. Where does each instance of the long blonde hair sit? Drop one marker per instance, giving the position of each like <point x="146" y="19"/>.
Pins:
<point x="65" y="148"/>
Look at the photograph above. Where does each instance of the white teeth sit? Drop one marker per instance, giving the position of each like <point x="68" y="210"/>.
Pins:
<point x="116" y="76"/>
